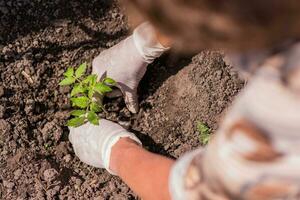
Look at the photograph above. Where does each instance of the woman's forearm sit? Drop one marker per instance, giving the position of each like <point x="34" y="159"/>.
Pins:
<point x="146" y="173"/>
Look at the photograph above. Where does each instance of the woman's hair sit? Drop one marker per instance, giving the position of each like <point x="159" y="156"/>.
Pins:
<point x="225" y="24"/>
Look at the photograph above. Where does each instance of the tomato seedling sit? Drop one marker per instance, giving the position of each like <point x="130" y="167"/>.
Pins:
<point x="204" y="133"/>
<point x="86" y="95"/>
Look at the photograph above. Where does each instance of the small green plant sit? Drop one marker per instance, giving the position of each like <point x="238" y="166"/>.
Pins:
<point x="84" y="90"/>
<point x="204" y="133"/>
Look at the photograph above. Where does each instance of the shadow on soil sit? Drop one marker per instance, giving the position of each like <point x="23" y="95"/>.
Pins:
<point x="100" y="40"/>
<point x="151" y="145"/>
<point x="159" y="71"/>
<point x="19" y="18"/>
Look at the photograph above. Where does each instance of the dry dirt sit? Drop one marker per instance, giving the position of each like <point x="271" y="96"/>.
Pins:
<point x="38" y="41"/>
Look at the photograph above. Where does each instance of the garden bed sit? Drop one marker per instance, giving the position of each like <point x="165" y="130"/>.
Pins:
<point x="38" y="41"/>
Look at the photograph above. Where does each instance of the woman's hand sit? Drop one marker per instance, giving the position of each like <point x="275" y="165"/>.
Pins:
<point x="93" y="144"/>
<point x="127" y="62"/>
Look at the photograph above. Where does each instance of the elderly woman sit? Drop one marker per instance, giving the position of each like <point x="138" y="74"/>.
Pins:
<point x="255" y="153"/>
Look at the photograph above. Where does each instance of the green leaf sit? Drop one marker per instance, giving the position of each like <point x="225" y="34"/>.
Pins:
<point x="102" y="88"/>
<point x="75" y="122"/>
<point x="93" y="118"/>
<point x="205" y="140"/>
<point x="69" y="72"/>
<point x="81" y="70"/>
<point x="81" y="102"/>
<point x="91" y="93"/>
<point x="202" y="128"/>
<point x="95" y="107"/>
<point x="204" y="131"/>
<point x="109" y="81"/>
<point x="76" y="90"/>
<point x="67" y="81"/>
<point x="78" y="113"/>
<point x="90" y="79"/>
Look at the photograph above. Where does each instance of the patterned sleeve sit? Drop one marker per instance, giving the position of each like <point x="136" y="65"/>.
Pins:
<point x="255" y="154"/>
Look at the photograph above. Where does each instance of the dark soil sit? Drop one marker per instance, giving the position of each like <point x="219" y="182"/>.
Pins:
<point x="38" y="41"/>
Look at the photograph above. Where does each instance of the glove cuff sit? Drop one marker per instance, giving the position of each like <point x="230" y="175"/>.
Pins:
<point x="146" y="42"/>
<point x="110" y="143"/>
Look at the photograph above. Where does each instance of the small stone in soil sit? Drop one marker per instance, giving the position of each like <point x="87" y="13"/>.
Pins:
<point x="8" y="185"/>
<point x="61" y="150"/>
<point x="78" y="182"/>
<point x="112" y="186"/>
<point x="17" y="173"/>
<point x="50" y="174"/>
<point x="99" y="198"/>
<point x="67" y="158"/>
<point x="57" y="134"/>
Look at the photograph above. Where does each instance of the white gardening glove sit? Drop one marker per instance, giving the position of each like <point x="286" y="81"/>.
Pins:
<point x="127" y="62"/>
<point x="93" y="144"/>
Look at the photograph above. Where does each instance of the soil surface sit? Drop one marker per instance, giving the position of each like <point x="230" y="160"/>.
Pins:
<point x="38" y="41"/>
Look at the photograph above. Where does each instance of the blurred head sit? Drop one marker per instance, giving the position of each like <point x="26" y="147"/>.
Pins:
<point x="233" y="25"/>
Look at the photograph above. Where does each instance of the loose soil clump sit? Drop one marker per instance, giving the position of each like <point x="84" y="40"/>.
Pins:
<point x="38" y="41"/>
